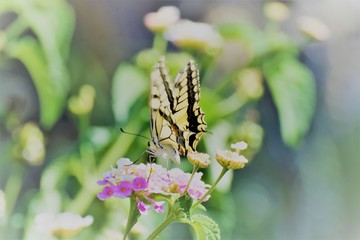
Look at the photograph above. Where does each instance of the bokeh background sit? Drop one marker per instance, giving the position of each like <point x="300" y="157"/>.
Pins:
<point x="285" y="79"/>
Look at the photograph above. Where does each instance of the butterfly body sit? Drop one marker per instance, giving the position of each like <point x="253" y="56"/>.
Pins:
<point x="177" y="121"/>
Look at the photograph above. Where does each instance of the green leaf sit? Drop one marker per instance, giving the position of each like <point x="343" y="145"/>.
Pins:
<point x="185" y="202"/>
<point x="205" y="227"/>
<point x="52" y="22"/>
<point x="246" y="33"/>
<point x="52" y="94"/>
<point x="292" y="86"/>
<point x="129" y="83"/>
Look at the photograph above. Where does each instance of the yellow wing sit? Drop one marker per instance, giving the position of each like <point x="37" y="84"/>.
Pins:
<point x="187" y="113"/>
<point x="163" y="132"/>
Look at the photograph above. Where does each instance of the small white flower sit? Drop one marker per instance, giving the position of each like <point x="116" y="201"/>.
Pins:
<point x="314" y="28"/>
<point x="230" y="160"/>
<point x="276" y="11"/>
<point x="162" y="19"/>
<point x="196" y="35"/>
<point x="62" y="224"/>
<point x="239" y="146"/>
<point x="201" y="160"/>
<point x="124" y="162"/>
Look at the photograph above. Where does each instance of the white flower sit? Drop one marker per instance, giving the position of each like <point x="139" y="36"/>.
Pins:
<point x="314" y="28"/>
<point x="201" y="160"/>
<point x="162" y="19"/>
<point x="62" y="224"/>
<point x="276" y="11"/>
<point x="230" y="160"/>
<point x="196" y="35"/>
<point x="122" y="162"/>
<point x="239" y="146"/>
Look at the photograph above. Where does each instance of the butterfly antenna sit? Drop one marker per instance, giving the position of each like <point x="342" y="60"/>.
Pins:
<point x="134" y="134"/>
<point x="140" y="156"/>
<point x="137" y="159"/>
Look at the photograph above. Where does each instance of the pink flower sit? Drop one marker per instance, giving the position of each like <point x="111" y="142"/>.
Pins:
<point x="107" y="192"/>
<point x="139" y="184"/>
<point x="102" y="182"/>
<point x="123" y="190"/>
<point x="159" y="207"/>
<point x="198" y="188"/>
<point x="143" y="208"/>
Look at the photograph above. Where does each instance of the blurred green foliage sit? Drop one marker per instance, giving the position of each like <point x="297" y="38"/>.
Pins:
<point x="45" y="56"/>
<point x="40" y="37"/>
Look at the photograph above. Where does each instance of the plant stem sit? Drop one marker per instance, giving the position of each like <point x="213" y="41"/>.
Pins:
<point x="160" y="44"/>
<point x="195" y="168"/>
<point x="83" y="125"/>
<point x="13" y="187"/>
<point x="224" y="170"/>
<point x="169" y="219"/>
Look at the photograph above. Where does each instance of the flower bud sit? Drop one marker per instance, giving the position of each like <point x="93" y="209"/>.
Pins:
<point x="84" y="102"/>
<point x="276" y="11"/>
<point x="230" y="160"/>
<point x="31" y="145"/>
<point x="239" y="146"/>
<point x="201" y="160"/>
<point x="250" y="83"/>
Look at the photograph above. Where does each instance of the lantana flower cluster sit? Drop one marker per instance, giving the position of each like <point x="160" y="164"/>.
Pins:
<point x="232" y="160"/>
<point x="146" y="182"/>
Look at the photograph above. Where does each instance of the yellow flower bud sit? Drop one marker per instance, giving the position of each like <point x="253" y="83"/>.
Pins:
<point x="201" y="160"/>
<point x="31" y="145"/>
<point x="84" y="102"/>
<point x="276" y="11"/>
<point x="230" y="160"/>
